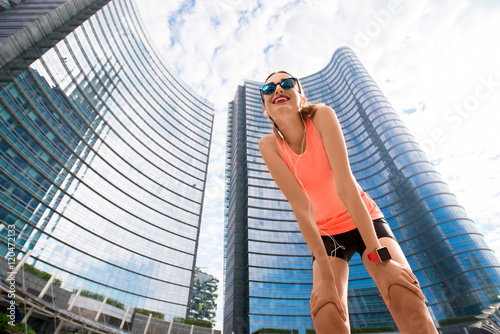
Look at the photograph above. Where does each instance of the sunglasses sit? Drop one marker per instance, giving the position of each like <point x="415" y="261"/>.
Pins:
<point x="286" y="84"/>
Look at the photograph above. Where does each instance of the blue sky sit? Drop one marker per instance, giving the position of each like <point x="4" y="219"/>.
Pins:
<point x="436" y="61"/>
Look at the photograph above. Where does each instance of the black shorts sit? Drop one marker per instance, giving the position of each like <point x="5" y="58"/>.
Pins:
<point x="352" y="242"/>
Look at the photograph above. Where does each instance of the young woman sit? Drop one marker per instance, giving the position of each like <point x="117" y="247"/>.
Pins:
<point x="307" y="157"/>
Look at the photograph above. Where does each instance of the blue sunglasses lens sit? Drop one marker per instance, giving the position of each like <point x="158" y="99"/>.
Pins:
<point x="268" y="89"/>
<point x="288" y="84"/>
<point x="271" y="87"/>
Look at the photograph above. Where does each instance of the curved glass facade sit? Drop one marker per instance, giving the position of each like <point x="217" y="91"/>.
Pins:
<point x="104" y="158"/>
<point x="459" y="274"/>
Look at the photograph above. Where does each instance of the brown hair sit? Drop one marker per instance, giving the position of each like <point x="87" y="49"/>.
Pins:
<point x="309" y="109"/>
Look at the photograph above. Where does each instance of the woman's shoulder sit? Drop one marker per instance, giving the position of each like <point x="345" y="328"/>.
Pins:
<point x="322" y="112"/>
<point x="322" y="117"/>
<point x="268" y="146"/>
<point x="267" y="141"/>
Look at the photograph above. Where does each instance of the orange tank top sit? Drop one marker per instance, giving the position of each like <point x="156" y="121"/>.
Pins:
<point x="315" y="173"/>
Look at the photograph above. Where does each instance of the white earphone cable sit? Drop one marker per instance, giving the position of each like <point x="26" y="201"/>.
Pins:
<point x="335" y="243"/>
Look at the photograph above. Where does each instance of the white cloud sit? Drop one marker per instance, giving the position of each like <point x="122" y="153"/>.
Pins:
<point x="421" y="53"/>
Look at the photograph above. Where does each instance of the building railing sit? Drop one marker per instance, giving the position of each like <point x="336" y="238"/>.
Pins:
<point x="19" y="288"/>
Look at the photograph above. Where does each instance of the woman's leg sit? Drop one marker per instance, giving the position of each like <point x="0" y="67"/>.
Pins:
<point x="328" y="319"/>
<point x="408" y="311"/>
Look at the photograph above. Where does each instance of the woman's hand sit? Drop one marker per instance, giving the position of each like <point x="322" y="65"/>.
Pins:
<point x="396" y="273"/>
<point x="326" y="292"/>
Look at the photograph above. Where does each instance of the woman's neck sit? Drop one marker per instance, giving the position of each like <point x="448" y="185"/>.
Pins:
<point x="293" y="133"/>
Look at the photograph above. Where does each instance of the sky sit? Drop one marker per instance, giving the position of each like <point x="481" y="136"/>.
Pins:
<point x="437" y="62"/>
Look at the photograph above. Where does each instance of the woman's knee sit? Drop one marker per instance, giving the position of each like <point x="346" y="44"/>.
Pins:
<point x="403" y="298"/>
<point x="409" y="311"/>
<point x="327" y="318"/>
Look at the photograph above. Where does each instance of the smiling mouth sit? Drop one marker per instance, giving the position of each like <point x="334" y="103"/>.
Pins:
<point x="280" y="99"/>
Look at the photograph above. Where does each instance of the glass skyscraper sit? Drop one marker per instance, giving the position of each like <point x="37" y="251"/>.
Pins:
<point x="268" y="276"/>
<point x="103" y="154"/>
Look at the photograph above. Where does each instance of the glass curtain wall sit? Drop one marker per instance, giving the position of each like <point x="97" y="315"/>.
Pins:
<point x="104" y="156"/>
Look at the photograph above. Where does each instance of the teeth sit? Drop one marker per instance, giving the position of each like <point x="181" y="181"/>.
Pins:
<point x="281" y="99"/>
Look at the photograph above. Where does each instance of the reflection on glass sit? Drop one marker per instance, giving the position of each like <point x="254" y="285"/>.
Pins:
<point x="104" y="158"/>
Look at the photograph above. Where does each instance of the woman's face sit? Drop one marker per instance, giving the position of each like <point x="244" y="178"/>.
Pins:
<point x="282" y="99"/>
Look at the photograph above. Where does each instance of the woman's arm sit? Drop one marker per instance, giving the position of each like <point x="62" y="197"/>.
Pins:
<point x="329" y="129"/>
<point x="304" y="213"/>
<point x="301" y="206"/>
